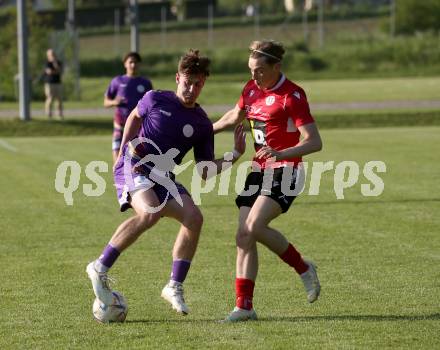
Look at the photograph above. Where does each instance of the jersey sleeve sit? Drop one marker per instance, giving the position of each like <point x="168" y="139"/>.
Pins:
<point x="298" y="108"/>
<point x="112" y="89"/>
<point x="145" y="103"/>
<point x="204" y="148"/>
<point x="148" y="85"/>
<point x="241" y="101"/>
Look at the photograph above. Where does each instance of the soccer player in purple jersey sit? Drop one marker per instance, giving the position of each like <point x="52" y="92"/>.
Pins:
<point x="159" y="132"/>
<point x="124" y="92"/>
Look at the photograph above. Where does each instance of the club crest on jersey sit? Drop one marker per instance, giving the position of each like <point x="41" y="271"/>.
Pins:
<point x="270" y="100"/>
<point x="140" y="88"/>
<point x="251" y="93"/>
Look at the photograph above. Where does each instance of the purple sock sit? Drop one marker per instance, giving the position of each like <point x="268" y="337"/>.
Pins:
<point x="180" y="270"/>
<point x="109" y="256"/>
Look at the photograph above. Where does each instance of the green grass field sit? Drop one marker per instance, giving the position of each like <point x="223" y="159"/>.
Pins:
<point x="90" y="125"/>
<point x="227" y="89"/>
<point x="378" y="257"/>
<point x="220" y="90"/>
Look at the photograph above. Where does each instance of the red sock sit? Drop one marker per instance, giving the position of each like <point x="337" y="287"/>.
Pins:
<point x="294" y="259"/>
<point x="244" y="291"/>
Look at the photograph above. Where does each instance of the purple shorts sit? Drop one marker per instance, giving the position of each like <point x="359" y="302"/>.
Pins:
<point x="129" y="180"/>
<point x="120" y="117"/>
<point x="118" y="131"/>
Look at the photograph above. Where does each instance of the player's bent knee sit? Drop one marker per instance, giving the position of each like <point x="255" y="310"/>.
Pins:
<point x="193" y="219"/>
<point x="253" y="227"/>
<point x="244" y="238"/>
<point x="147" y="220"/>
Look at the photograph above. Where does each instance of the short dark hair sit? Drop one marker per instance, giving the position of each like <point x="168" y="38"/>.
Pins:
<point x="193" y="64"/>
<point x="134" y="55"/>
<point x="271" y="50"/>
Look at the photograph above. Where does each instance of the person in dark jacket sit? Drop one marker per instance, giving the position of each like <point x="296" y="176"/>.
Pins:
<point x="53" y="88"/>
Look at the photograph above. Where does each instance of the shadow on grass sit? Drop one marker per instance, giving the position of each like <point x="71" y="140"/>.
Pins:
<point x="100" y="124"/>
<point x="363" y="318"/>
<point x="70" y="127"/>
<point x="183" y="320"/>
<point x="372" y="201"/>
<point x="367" y="201"/>
<point x="93" y="125"/>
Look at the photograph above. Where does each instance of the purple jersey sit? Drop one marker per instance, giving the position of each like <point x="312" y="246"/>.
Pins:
<point x="169" y="124"/>
<point x="131" y="89"/>
<point x="168" y="131"/>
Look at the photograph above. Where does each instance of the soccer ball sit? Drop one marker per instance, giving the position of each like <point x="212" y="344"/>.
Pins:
<point x="116" y="312"/>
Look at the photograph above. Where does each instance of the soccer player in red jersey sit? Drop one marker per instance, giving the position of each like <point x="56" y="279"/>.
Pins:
<point x="283" y="131"/>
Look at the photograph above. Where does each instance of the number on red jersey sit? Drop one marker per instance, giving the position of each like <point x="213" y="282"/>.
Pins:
<point x="258" y="129"/>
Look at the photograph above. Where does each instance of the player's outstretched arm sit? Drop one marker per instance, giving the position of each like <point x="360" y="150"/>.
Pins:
<point x="131" y="129"/>
<point x="112" y="102"/>
<point x="207" y="170"/>
<point x="310" y="142"/>
<point x="230" y="118"/>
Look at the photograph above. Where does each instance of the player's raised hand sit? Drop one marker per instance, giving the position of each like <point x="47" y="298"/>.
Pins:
<point x="266" y="152"/>
<point x="240" y="138"/>
<point x="119" y="100"/>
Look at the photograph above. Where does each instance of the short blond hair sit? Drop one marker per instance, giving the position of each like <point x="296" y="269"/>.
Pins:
<point x="271" y="50"/>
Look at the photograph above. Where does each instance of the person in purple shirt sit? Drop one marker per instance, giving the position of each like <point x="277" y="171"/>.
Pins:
<point x="124" y="92"/>
<point x="159" y="132"/>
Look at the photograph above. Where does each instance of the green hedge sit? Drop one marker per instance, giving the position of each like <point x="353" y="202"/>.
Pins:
<point x="413" y="16"/>
<point x="221" y="22"/>
<point x="347" y="56"/>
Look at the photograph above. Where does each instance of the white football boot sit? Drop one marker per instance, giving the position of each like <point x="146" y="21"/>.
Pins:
<point x="240" y="315"/>
<point x="311" y="282"/>
<point x="100" y="283"/>
<point x="173" y="293"/>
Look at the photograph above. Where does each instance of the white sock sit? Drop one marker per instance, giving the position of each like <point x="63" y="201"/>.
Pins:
<point x="100" y="267"/>
<point x="173" y="283"/>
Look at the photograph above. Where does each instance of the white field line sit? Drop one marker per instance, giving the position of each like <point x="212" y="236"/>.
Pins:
<point x="7" y="146"/>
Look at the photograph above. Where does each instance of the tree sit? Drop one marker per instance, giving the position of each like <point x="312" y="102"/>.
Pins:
<point x="233" y="7"/>
<point x="61" y="4"/>
<point x="38" y="38"/>
<point x="416" y="15"/>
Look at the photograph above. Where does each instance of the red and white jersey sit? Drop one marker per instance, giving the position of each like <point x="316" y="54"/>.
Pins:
<point x="275" y="115"/>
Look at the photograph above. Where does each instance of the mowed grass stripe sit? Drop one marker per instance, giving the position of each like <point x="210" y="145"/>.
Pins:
<point x="326" y="120"/>
<point x="226" y="89"/>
